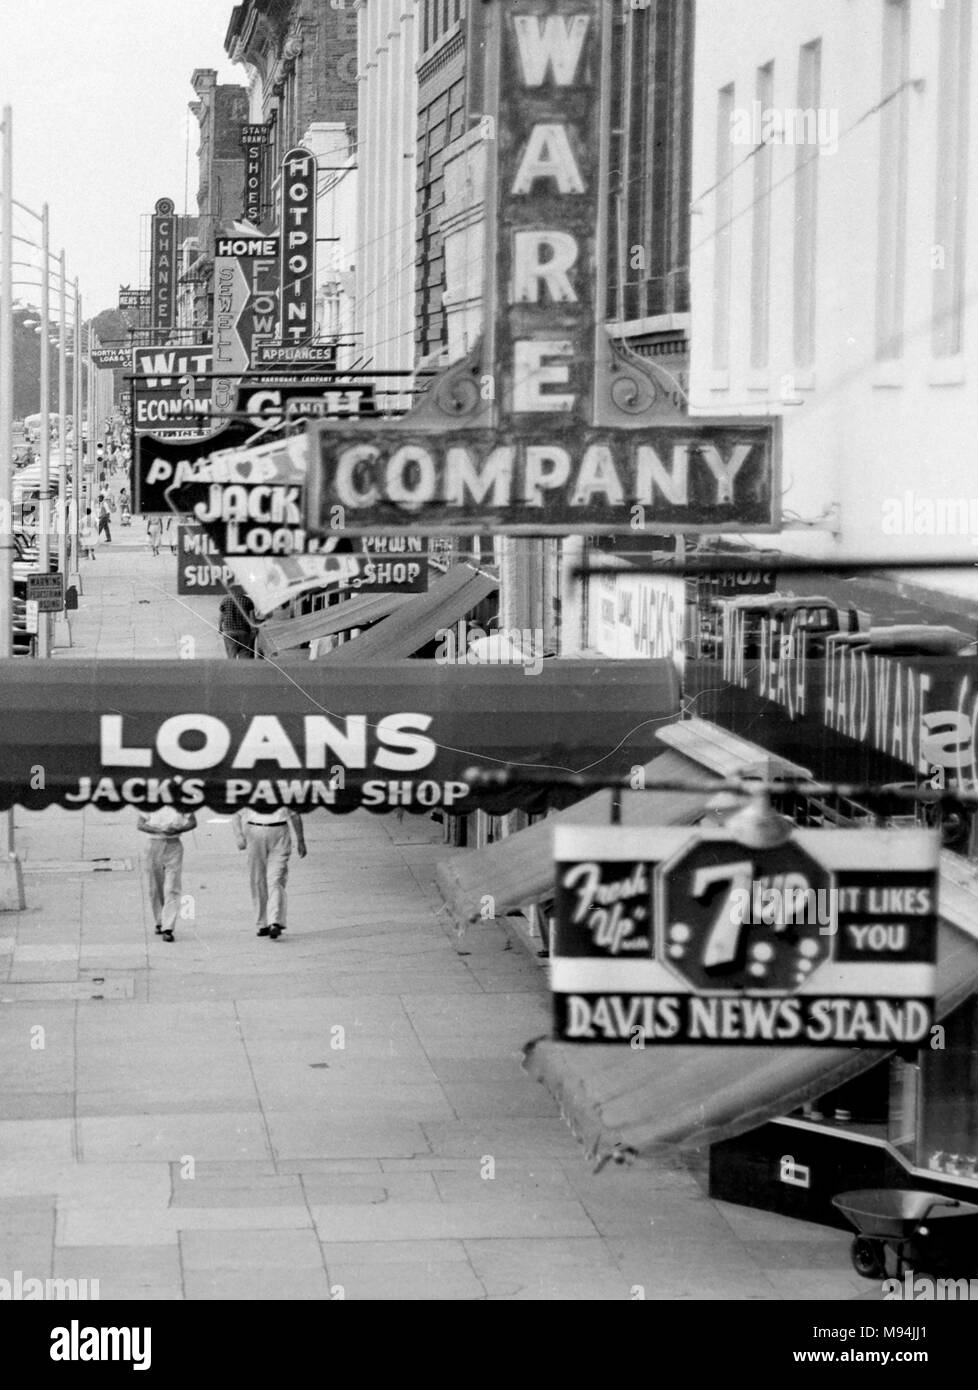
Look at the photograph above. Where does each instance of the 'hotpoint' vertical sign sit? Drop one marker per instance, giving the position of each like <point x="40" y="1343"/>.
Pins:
<point x="245" y="308"/>
<point x="163" y="281"/>
<point x="298" y="276"/>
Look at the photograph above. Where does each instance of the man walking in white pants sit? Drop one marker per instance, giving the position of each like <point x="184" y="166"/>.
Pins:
<point x="266" y="836"/>
<point x="164" y="864"/>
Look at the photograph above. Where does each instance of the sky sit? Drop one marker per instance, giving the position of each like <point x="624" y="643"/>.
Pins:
<point x="99" y="91"/>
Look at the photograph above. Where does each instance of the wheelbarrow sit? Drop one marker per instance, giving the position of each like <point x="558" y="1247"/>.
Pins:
<point x="916" y="1225"/>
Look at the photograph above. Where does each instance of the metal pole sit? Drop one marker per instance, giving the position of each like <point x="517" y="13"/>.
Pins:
<point x="63" y="422"/>
<point x="7" y="400"/>
<point x="44" y="547"/>
<point x="76" y="490"/>
<point x="11" y="878"/>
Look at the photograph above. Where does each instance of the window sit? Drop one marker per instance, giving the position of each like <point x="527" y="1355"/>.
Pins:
<point x="806" y="205"/>
<point x="760" y="280"/>
<point x="724" y="230"/>
<point x="892" y="214"/>
<point x="650" y="162"/>
<point x="953" y="114"/>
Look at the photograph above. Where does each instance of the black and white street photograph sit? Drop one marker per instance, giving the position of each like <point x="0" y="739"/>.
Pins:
<point x="489" y="669"/>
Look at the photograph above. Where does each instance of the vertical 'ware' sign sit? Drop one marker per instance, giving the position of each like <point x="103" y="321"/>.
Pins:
<point x="163" y="265"/>
<point x="549" y="151"/>
<point x="298" y="275"/>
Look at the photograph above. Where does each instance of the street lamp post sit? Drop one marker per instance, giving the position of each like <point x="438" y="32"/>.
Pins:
<point x="62" y="628"/>
<point x="11" y="877"/>
<point x="79" y="432"/>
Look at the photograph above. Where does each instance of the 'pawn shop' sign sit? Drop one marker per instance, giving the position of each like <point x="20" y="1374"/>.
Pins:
<point x="545" y="428"/>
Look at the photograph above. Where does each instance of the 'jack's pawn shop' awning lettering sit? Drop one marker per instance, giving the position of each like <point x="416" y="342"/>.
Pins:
<point x="401" y="736"/>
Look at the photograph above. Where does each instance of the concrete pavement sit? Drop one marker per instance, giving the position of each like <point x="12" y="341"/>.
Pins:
<point x="340" y="1113"/>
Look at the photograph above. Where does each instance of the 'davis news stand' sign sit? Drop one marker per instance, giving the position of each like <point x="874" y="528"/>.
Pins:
<point x="546" y="429"/>
<point x="828" y="940"/>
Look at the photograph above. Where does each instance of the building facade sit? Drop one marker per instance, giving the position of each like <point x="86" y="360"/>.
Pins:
<point x="220" y="109"/>
<point x="387" y="123"/>
<point x="835" y="175"/>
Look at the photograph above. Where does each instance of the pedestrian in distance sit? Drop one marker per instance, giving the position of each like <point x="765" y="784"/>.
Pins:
<point x="164" y="864"/>
<point x="104" y="517"/>
<point x="267" y="839"/>
<point x="235" y="624"/>
<point x="154" y="530"/>
<point x="87" y="535"/>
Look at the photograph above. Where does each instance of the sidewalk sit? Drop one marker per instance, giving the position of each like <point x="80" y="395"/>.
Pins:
<point x="340" y="1113"/>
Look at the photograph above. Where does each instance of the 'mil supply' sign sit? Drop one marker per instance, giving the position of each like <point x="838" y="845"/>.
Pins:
<point x="548" y="432"/>
<point x="826" y="940"/>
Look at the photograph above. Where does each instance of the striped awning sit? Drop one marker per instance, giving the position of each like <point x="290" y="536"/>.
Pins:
<point x="419" y="622"/>
<point x="284" y="635"/>
<point x="520" y="868"/>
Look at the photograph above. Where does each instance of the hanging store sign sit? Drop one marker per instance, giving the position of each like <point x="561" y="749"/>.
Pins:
<point x="162" y="264"/>
<point x="130" y="299"/>
<point x="295" y="355"/>
<point x="298" y="270"/>
<point x="860" y="715"/>
<point x="246" y="283"/>
<point x="200" y="569"/>
<point x="690" y="477"/>
<point x="829" y="939"/>
<point x="249" y="501"/>
<point x="254" y="138"/>
<point x="171" y="388"/>
<point x="111" y="357"/>
<point x="271" y="582"/>
<point x="179" y="457"/>
<point x="547" y="431"/>
<point x="391" y="564"/>
<point x="229" y="735"/>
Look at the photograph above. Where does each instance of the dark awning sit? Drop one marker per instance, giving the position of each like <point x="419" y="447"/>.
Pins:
<point x="622" y="1102"/>
<point x="520" y="868"/>
<point x="286" y="633"/>
<point x="417" y="623"/>
<point x="225" y="734"/>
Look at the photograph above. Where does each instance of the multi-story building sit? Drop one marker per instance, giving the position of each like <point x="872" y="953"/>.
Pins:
<point x="834" y="180"/>
<point x="301" y="60"/>
<point x="220" y="109"/>
<point x="835" y="177"/>
<point x="388" y="148"/>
